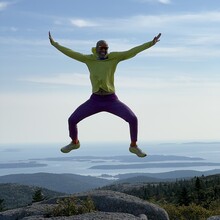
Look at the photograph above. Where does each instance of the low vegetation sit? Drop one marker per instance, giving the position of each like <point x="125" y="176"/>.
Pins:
<point x="72" y="206"/>
<point x="38" y="196"/>
<point x="194" y="199"/>
<point x="16" y="195"/>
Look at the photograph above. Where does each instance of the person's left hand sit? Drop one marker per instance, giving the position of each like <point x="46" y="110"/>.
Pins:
<point x="157" y="38"/>
<point x="51" y="39"/>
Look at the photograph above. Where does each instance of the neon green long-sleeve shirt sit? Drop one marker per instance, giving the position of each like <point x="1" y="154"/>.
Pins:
<point x="102" y="71"/>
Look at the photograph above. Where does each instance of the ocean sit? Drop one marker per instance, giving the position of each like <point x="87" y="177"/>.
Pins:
<point x="34" y="158"/>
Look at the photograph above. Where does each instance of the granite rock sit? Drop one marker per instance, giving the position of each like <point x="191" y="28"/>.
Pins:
<point x="109" y="206"/>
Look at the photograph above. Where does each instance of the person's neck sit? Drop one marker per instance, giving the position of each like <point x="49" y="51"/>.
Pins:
<point x="102" y="58"/>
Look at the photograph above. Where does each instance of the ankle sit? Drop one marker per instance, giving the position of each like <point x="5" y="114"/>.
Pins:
<point x="76" y="141"/>
<point x="133" y="144"/>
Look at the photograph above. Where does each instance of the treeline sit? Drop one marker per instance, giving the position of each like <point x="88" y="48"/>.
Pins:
<point x="197" y="198"/>
<point x="201" y="191"/>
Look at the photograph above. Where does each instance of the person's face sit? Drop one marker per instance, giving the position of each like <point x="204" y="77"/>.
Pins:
<point x="102" y="49"/>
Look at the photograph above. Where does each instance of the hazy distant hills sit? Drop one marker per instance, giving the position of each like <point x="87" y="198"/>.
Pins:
<point x="17" y="189"/>
<point x="66" y="183"/>
<point x="166" y="176"/>
<point x="72" y="183"/>
<point x="154" y="165"/>
<point x="15" y="195"/>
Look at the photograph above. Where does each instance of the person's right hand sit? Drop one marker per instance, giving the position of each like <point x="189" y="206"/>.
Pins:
<point x="51" y="39"/>
<point x="157" y="38"/>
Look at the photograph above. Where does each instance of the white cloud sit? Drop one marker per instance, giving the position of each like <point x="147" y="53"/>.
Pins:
<point x="186" y="52"/>
<point x="205" y="39"/>
<point x="61" y="79"/>
<point x="13" y="29"/>
<point x="184" y="22"/>
<point x="154" y="1"/>
<point x="162" y="115"/>
<point x="169" y="82"/>
<point x="133" y="82"/>
<point x="22" y="41"/>
<point x="169" y="20"/>
<point x="165" y="1"/>
<point x="3" y="5"/>
<point x="81" y="23"/>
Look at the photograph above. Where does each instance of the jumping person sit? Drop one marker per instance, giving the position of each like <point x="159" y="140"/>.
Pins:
<point x="102" y="66"/>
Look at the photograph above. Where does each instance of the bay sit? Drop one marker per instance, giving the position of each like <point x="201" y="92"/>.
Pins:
<point x="46" y="157"/>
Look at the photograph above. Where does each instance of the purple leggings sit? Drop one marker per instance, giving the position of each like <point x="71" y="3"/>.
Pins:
<point x="97" y="103"/>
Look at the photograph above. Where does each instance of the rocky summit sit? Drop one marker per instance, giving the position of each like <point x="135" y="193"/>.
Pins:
<point x="109" y="205"/>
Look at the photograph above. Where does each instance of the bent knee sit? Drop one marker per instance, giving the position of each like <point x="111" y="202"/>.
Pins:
<point x="72" y="120"/>
<point x="133" y="119"/>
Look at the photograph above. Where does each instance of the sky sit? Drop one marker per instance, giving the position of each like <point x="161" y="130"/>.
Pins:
<point x="172" y="87"/>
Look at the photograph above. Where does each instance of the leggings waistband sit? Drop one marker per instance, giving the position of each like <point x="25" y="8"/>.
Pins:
<point x="102" y="92"/>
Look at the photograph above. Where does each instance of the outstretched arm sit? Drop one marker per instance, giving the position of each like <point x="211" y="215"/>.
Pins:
<point x="134" y="51"/>
<point x="70" y="53"/>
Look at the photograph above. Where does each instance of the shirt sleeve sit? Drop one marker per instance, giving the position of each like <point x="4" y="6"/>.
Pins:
<point x="133" y="51"/>
<point x="70" y="53"/>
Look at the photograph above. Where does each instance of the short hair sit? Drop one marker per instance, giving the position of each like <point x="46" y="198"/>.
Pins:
<point x="101" y="42"/>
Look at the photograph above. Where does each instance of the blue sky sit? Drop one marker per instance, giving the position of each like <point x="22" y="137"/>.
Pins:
<point x="173" y="87"/>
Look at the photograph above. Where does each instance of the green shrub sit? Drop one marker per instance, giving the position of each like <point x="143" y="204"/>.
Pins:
<point x="191" y="212"/>
<point x="173" y="212"/>
<point x="72" y="206"/>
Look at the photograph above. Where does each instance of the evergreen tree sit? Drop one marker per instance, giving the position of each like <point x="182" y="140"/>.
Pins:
<point x="1" y="205"/>
<point x="184" y="198"/>
<point x="199" y="190"/>
<point x="38" y="196"/>
<point x="198" y="186"/>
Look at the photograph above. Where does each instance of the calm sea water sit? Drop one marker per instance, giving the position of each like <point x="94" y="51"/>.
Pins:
<point x="39" y="153"/>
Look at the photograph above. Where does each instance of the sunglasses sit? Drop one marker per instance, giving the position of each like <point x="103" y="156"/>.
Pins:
<point x="103" y="48"/>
